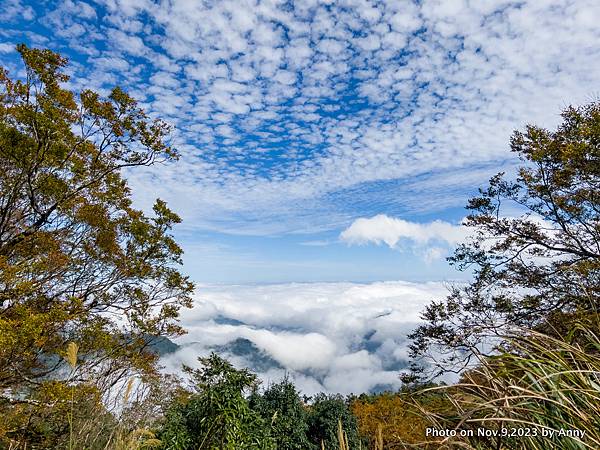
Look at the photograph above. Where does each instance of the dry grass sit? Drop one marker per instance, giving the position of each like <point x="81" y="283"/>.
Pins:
<point x="543" y="386"/>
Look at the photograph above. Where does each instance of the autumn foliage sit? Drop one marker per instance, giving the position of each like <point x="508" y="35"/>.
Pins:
<point x="77" y="262"/>
<point x="395" y="420"/>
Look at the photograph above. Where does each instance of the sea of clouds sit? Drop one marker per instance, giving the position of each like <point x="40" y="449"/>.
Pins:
<point x="328" y="337"/>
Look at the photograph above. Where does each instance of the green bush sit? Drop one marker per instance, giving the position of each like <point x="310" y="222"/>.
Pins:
<point x="282" y="408"/>
<point x="217" y="414"/>
<point x="325" y="414"/>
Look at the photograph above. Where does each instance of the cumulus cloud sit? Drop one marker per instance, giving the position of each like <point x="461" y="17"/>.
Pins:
<point x="392" y="231"/>
<point x="333" y="337"/>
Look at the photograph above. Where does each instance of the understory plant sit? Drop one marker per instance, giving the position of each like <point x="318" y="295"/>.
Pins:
<point x="542" y="392"/>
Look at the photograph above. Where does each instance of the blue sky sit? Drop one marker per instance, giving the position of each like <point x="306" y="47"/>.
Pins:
<point x="323" y="141"/>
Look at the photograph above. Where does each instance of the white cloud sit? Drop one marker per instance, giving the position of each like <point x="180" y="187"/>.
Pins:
<point x="383" y="229"/>
<point x="420" y="90"/>
<point x="295" y="351"/>
<point x="434" y="254"/>
<point x="334" y="337"/>
<point x="15" y="9"/>
<point x="6" y="48"/>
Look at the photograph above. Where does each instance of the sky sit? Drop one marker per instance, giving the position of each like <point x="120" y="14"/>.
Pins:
<point x="327" y="147"/>
<point x="296" y="119"/>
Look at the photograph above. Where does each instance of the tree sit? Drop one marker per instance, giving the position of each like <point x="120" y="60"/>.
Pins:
<point x="217" y="415"/>
<point x="280" y="406"/>
<point x="48" y="425"/>
<point x="539" y="269"/>
<point x="325" y="414"/>
<point x="395" y="420"/>
<point x="77" y="261"/>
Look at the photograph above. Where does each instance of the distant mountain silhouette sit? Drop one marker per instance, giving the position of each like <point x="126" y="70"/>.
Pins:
<point x="257" y="359"/>
<point x="161" y="345"/>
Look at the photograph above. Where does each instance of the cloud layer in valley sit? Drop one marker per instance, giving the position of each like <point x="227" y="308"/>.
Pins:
<point x="333" y="337"/>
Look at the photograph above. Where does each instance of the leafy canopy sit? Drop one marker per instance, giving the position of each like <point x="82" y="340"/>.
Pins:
<point x="77" y="261"/>
<point x="325" y="414"/>
<point x="283" y="410"/>
<point x="539" y="268"/>
<point x="217" y="415"/>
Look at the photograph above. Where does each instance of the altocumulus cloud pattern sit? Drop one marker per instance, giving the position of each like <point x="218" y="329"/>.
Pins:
<point x="292" y="115"/>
